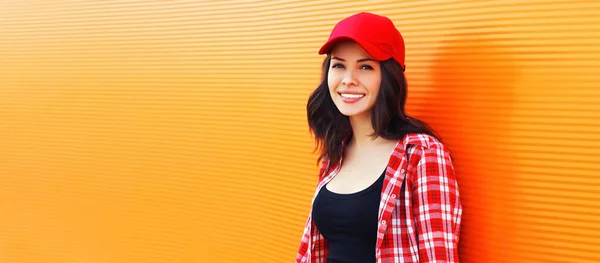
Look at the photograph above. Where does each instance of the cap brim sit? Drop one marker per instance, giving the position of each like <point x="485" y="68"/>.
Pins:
<point x="368" y="47"/>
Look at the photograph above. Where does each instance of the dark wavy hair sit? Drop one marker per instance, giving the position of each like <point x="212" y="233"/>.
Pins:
<point x="330" y="127"/>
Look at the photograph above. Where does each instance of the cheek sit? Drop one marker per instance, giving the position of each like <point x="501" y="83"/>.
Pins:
<point x="333" y="81"/>
<point x="374" y="84"/>
<point x="374" y="87"/>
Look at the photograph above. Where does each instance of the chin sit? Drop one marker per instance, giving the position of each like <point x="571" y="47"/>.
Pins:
<point x="352" y="112"/>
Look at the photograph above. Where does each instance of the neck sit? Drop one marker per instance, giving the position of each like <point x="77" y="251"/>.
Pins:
<point x="362" y="129"/>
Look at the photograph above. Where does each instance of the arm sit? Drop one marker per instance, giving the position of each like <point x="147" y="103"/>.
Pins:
<point x="319" y="254"/>
<point x="320" y="251"/>
<point x="436" y="206"/>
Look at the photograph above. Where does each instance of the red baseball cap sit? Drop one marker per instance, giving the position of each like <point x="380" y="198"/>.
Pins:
<point x="376" y="34"/>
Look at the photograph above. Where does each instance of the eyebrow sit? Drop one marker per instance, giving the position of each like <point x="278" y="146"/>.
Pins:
<point x="360" y="60"/>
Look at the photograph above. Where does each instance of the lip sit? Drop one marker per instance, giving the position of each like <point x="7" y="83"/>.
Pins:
<point x="351" y="100"/>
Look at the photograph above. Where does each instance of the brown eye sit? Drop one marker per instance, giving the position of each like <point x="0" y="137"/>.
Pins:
<point x="368" y="67"/>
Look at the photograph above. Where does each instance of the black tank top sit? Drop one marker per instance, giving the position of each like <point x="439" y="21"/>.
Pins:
<point x="348" y="222"/>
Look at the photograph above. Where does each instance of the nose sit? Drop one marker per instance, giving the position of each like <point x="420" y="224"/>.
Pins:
<point x="349" y="79"/>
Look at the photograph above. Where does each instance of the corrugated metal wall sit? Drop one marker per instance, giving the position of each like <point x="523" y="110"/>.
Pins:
<point x="174" y="131"/>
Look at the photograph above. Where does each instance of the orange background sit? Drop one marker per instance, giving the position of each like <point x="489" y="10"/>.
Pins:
<point x="175" y="131"/>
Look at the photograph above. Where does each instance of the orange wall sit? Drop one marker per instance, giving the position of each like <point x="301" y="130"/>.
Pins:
<point x="174" y="131"/>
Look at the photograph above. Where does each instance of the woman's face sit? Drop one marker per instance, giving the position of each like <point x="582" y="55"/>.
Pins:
<point x="354" y="79"/>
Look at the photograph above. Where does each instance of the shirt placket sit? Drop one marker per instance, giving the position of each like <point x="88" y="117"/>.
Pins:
<point x="388" y="202"/>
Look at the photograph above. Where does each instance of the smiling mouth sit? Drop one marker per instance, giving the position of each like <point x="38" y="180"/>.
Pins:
<point x="351" y="95"/>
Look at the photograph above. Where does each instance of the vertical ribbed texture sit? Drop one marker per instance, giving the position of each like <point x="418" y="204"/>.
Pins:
<point x="174" y="131"/>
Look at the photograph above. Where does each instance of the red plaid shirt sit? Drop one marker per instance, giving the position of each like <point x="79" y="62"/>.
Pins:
<point x="419" y="224"/>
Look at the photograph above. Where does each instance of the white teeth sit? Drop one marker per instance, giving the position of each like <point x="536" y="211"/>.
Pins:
<point x="352" y="96"/>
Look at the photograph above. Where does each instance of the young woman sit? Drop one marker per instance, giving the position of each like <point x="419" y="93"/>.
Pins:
<point x="387" y="190"/>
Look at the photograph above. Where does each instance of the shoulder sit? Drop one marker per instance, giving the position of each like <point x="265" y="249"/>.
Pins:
<point x="426" y="149"/>
<point x="324" y="167"/>
<point x="431" y="165"/>
<point x="422" y="141"/>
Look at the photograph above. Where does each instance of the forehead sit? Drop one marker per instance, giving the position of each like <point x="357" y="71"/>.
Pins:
<point x="349" y="48"/>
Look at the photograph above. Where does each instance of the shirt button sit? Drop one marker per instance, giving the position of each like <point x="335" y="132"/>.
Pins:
<point x="393" y="196"/>
<point x="383" y="222"/>
<point x="402" y="171"/>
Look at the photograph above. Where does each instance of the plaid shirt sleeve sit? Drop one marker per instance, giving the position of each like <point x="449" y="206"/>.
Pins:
<point x="321" y="249"/>
<point x="312" y="235"/>
<point x="436" y="206"/>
